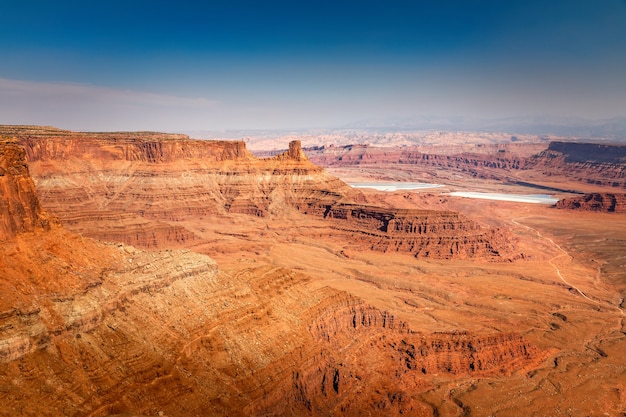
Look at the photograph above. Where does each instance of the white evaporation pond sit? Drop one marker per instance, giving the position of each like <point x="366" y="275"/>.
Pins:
<point x="519" y="198"/>
<point x="394" y="186"/>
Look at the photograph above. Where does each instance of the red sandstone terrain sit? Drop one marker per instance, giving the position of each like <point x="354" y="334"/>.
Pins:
<point x="316" y="299"/>
<point x="154" y="193"/>
<point x="606" y="202"/>
<point x="557" y="166"/>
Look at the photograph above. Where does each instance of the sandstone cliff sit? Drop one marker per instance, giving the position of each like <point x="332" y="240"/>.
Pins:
<point x="20" y="210"/>
<point x="605" y="202"/>
<point x="423" y="233"/>
<point x="153" y="192"/>
<point x="596" y="164"/>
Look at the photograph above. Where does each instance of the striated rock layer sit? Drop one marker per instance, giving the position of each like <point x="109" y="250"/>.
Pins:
<point x="423" y="233"/>
<point x="166" y="334"/>
<point x="589" y="163"/>
<point x="492" y="162"/>
<point x="137" y="190"/>
<point x="20" y="210"/>
<point x="147" y="191"/>
<point x="604" y="202"/>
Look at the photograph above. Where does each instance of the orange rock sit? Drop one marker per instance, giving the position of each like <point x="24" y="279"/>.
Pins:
<point x="133" y="186"/>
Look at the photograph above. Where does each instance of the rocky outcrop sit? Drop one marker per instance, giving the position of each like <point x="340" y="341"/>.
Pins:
<point x="493" y="162"/>
<point x="89" y="328"/>
<point x="596" y="164"/>
<point x="603" y="202"/>
<point x="20" y="210"/>
<point x="294" y="153"/>
<point x="157" y="192"/>
<point x="138" y="189"/>
<point x="371" y="362"/>
<point x="422" y="233"/>
<point x="525" y="164"/>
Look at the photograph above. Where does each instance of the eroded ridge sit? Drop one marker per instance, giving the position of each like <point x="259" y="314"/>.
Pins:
<point x="165" y="331"/>
<point x="20" y="210"/>
<point x="422" y="233"/>
<point x="155" y="192"/>
<point x="601" y="202"/>
<point x="99" y="329"/>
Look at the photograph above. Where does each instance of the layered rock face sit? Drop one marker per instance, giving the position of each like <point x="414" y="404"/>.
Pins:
<point x="136" y="190"/>
<point x="144" y="339"/>
<point x="372" y="363"/>
<point x="423" y="233"/>
<point x="591" y="163"/>
<point x="148" y="191"/>
<point x="20" y="210"/>
<point x="492" y="162"/>
<point x="99" y="329"/>
<point x="604" y="202"/>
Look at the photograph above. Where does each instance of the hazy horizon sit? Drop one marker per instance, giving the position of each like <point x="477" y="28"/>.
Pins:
<point x="138" y="65"/>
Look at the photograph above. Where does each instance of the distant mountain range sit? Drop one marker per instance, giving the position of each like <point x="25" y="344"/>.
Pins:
<point x="613" y="129"/>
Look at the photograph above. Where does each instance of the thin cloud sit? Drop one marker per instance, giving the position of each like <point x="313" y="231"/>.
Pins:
<point x="88" y="107"/>
<point x="68" y="91"/>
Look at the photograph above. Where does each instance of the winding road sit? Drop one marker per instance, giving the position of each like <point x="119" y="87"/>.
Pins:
<point x="558" y="271"/>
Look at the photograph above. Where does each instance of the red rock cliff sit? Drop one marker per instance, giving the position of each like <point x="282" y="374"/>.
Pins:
<point x="147" y="191"/>
<point x="605" y="202"/>
<point x="130" y="147"/>
<point x="596" y="164"/>
<point x="20" y="210"/>
<point x="422" y="233"/>
<point x="586" y="162"/>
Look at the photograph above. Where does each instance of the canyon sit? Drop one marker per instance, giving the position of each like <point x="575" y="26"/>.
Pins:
<point x="158" y="186"/>
<point x="153" y="274"/>
<point x="555" y="166"/>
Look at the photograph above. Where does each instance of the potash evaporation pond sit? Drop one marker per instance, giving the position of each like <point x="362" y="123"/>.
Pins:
<point x="408" y="186"/>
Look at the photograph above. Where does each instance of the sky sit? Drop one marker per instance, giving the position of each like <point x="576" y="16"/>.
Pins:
<point x="220" y="65"/>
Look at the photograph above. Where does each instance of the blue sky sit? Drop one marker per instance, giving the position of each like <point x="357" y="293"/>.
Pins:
<point x="180" y="66"/>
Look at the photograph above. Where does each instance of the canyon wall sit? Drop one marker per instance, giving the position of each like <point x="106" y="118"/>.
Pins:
<point x="572" y="152"/>
<point x="589" y="163"/>
<point x="20" y="210"/>
<point x="137" y="191"/>
<point x="99" y="329"/>
<point x="596" y="164"/>
<point x="422" y="233"/>
<point x="491" y="162"/>
<point x="604" y="202"/>
<point x="155" y="192"/>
